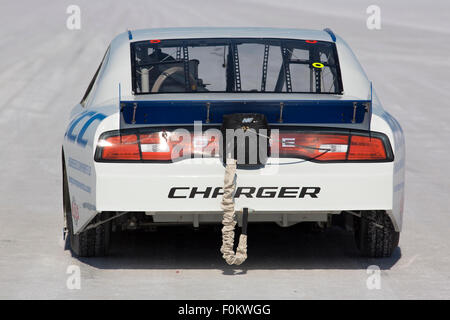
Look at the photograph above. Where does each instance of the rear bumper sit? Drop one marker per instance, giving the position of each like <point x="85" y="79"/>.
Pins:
<point x="170" y="188"/>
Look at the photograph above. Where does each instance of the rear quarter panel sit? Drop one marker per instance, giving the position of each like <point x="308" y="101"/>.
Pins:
<point x="79" y="147"/>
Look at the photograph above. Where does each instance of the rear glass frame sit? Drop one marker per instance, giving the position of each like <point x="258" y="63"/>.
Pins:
<point x="190" y="43"/>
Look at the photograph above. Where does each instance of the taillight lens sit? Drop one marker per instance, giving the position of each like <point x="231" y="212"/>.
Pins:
<point x="366" y="148"/>
<point x="330" y="147"/>
<point x="120" y="148"/>
<point x="155" y="146"/>
<point x="316" y="146"/>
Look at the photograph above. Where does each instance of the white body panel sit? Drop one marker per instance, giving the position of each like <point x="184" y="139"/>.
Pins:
<point x="143" y="187"/>
<point x="98" y="186"/>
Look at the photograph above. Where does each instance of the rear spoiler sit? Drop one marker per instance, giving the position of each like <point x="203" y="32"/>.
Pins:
<point x="352" y="114"/>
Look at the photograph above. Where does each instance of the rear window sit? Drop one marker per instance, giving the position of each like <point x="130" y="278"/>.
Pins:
<point x="235" y="65"/>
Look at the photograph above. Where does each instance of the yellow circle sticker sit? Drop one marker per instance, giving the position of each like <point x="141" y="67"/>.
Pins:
<point x="318" y="65"/>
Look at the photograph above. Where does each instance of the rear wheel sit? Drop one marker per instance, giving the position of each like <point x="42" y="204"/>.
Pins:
<point x="90" y="243"/>
<point x="375" y="235"/>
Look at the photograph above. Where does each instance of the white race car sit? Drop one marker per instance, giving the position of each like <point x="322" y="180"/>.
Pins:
<point x="146" y="144"/>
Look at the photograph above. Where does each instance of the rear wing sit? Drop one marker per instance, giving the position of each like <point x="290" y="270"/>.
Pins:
<point x="351" y="114"/>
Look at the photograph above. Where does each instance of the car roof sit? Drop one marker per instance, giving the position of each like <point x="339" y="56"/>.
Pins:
<point x="117" y="67"/>
<point x="229" y="32"/>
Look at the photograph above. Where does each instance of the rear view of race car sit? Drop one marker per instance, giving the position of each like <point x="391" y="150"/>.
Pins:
<point x="232" y="125"/>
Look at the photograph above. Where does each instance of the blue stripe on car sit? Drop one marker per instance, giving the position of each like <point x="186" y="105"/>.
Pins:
<point x="79" y="166"/>
<point x="78" y="138"/>
<point x="82" y="142"/>
<point x="79" y="185"/>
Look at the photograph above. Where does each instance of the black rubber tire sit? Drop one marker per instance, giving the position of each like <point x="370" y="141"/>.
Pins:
<point x="91" y="243"/>
<point x="375" y="235"/>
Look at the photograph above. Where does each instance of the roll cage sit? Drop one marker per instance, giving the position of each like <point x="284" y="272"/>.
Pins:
<point x="319" y="56"/>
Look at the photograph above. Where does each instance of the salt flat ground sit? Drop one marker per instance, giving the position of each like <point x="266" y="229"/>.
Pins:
<point x="44" y="70"/>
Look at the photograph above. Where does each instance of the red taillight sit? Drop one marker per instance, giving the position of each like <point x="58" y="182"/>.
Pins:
<point x="330" y="147"/>
<point x="170" y="146"/>
<point x="156" y="146"/>
<point x="323" y="147"/>
<point x="120" y="148"/>
<point x="366" y="148"/>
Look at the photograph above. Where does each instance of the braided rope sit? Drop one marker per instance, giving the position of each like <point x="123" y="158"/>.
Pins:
<point x="229" y="222"/>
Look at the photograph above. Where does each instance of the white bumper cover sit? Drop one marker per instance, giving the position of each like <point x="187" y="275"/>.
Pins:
<point x="188" y="186"/>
